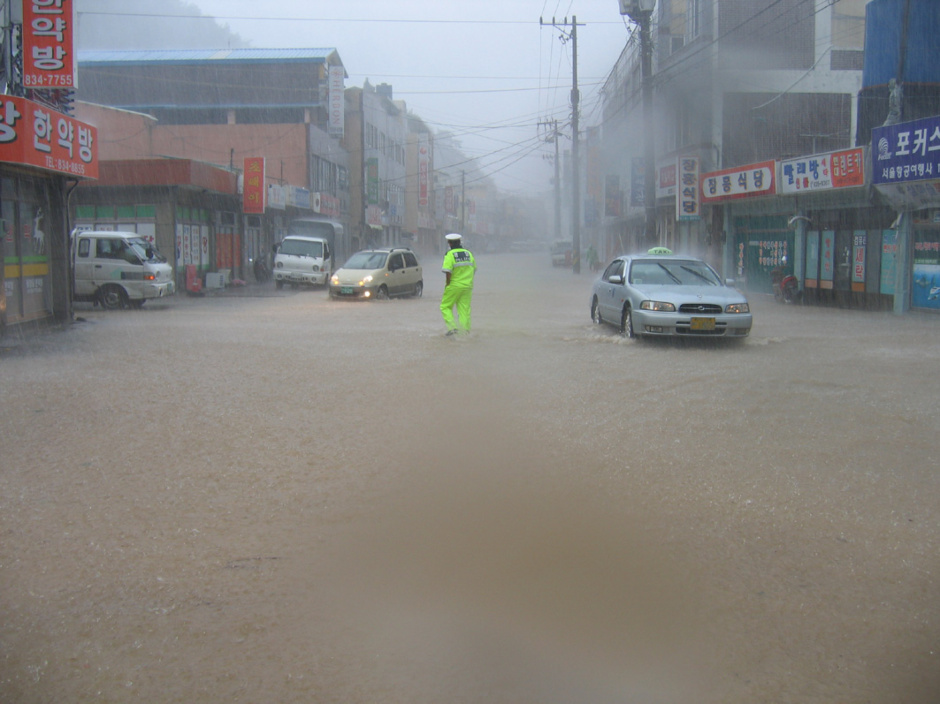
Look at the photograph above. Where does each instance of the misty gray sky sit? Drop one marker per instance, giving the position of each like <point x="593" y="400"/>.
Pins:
<point x="483" y="70"/>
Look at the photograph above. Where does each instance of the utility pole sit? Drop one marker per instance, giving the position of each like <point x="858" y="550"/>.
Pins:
<point x="555" y="135"/>
<point x="641" y="12"/>
<point x="575" y="139"/>
<point x="463" y="202"/>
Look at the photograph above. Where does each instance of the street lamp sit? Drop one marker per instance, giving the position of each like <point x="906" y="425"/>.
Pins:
<point x="641" y="12"/>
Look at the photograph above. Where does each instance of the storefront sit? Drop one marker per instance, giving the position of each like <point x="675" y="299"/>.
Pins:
<point x="906" y="173"/>
<point x="189" y="210"/>
<point x="43" y="153"/>
<point x="812" y="217"/>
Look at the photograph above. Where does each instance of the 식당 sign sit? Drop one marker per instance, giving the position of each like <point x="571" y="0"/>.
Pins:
<point x="34" y="135"/>
<point x="48" y="41"/>
<point x="687" y="203"/>
<point x="739" y="182"/>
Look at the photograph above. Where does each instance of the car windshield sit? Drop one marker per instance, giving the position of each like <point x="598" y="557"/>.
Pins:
<point x="146" y="251"/>
<point x="301" y="248"/>
<point x="670" y="272"/>
<point x="366" y="260"/>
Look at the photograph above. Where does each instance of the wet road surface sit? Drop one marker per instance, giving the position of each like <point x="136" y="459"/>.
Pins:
<point x="274" y="497"/>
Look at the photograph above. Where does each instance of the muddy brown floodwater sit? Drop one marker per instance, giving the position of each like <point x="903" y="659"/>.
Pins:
<point x="275" y="497"/>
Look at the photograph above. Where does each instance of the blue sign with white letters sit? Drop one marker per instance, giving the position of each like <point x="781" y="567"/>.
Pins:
<point x="907" y="151"/>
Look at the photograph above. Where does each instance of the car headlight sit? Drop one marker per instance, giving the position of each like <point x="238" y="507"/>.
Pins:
<point x="737" y="308"/>
<point x="335" y="281"/>
<point x="367" y="279"/>
<point x="660" y="306"/>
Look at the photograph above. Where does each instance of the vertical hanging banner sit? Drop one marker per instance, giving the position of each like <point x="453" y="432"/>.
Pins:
<point x="424" y="161"/>
<point x="337" y="101"/>
<point x="372" y="181"/>
<point x="613" y="198"/>
<point x="637" y="187"/>
<point x="48" y="41"/>
<point x="687" y="192"/>
<point x="253" y="190"/>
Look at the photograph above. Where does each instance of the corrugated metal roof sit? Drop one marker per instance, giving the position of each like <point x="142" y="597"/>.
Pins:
<point x="189" y="56"/>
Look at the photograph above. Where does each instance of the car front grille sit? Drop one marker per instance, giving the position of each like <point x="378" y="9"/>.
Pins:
<point x="700" y="308"/>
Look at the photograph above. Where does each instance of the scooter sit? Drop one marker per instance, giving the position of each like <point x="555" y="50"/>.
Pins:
<point x="786" y="287"/>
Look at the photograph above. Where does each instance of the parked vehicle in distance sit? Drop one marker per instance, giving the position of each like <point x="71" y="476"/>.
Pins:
<point x="303" y="261"/>
<point x="657" y="294"/>
<point x="118" y="269"/>
<point x="561" y="253"/>
<point x="378" y="273"/>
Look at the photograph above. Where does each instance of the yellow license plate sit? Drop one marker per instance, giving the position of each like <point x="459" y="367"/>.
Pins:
<point x="703" y="324"/>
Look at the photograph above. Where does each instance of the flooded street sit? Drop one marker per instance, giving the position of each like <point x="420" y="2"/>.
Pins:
<point x="276" y="497"/>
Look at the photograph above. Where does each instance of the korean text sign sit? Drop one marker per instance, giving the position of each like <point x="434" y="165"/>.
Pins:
<point x="337" y="101"/>
<point x="687" y="203"/>
<point x="740" y="182"/>
<point x="821" y="172"/>
<point x="908" y="151"/>
<point x="253" y="190"/>
<point x="35" y="135"/>
<point x="48" y="41"/>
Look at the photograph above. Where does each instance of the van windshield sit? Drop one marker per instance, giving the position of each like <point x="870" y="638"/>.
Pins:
<point x="146" y="251"/>
<point x="301" y="248"/>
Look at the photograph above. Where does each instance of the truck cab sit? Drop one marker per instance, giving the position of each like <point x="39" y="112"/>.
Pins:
<point x="303" y="261"/>
<point x="118" y="269"/>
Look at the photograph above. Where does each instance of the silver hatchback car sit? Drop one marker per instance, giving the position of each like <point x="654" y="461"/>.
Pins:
<point x="655" y="294"/>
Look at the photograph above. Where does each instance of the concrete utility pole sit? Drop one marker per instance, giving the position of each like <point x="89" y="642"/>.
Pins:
<point x="555" y="135"/>
<point x="641" y="12"/>
<point x="575" y="156"/>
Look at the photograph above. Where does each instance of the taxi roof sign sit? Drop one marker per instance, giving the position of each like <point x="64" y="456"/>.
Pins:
<point x="659" y="250"/>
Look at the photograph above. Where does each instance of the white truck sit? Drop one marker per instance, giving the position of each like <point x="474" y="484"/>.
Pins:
<point x="303" y="260"/>
<point x="118" y="269"/>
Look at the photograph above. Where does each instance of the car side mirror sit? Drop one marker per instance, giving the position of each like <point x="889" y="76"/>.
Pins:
<point x="616" y="279"/>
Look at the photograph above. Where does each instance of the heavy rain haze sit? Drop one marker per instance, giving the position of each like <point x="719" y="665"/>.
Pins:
<point x="484" y="71"/>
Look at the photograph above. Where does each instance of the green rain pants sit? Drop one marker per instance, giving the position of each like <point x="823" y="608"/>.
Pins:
<point x="458" y="297"/>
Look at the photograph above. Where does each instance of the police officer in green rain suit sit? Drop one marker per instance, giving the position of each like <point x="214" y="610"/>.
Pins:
<point x="459" y="268"/>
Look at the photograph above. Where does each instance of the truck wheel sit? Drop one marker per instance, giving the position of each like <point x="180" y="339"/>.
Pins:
<point x="112" y="297"/>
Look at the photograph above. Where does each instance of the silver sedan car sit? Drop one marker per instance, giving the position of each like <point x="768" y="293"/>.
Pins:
<point x="654" y="294"/>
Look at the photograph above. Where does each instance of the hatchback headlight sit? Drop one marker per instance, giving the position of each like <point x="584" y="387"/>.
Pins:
<point x="367" y="279"/>
<point x="737" y="308"/>
<point x="660" y="306"/>
<point x="335" y="280"/>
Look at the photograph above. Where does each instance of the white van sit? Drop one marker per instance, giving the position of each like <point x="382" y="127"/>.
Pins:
<point x="303" y="260"/>
<point x="118" y="269"/>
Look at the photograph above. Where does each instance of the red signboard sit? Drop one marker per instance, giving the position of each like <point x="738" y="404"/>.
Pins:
<point x="35" y="135"/>
<point x="48" y="41"/>
<point x="253" y="191"/>
<point x="847" y="168"/>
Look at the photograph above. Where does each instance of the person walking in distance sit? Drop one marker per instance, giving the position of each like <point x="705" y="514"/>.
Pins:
<point x="459" y="269"/>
